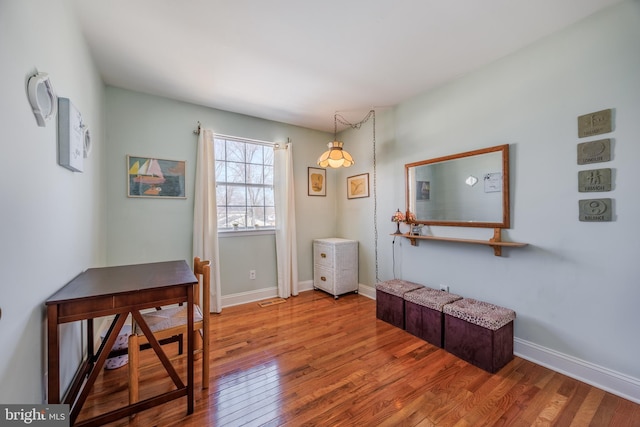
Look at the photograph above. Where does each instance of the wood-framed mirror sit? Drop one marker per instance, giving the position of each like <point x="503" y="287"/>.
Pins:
<point x="468" y="189"/>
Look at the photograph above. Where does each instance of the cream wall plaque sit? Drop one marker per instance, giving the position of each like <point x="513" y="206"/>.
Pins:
<point x="594" y="151"/>
<point x="595" y="210"/>
<point x="594" y="180"/>
<point x="594" y="123"/>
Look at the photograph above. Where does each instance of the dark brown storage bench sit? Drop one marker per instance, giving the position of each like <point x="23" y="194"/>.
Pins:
<point x="390" y="300"/>
<point x="479" y="332"/>
<point x="423" y="313"/>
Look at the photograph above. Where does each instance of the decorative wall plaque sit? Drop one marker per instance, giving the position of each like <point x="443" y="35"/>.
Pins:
<point x="594" y="180"/>
<point x="594" y="123"/>
<point x="595" y="210"/>
<point x="594" y="151"/>
<point x="70" y="136"/>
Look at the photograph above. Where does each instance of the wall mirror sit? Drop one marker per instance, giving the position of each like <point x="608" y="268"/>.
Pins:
<point x="467" y="189"/>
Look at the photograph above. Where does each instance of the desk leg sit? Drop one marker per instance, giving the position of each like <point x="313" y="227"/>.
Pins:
<point x="90" y="349"/>
<point x="190" y="348"/>
<point x="53" y="355"/>
<point x="97" y="367"/>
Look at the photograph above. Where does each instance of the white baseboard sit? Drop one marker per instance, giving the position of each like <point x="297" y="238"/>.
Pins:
<point x="265" y="293"/>
<point x="606" y="379"/>
<point x="260" y="294"/>
<point x="306" y="285"/>
<point x="367" y="291"/>
<point x="250" y="296"/>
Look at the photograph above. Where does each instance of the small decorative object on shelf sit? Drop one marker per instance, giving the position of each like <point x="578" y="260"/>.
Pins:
<point x="398" y="217"/>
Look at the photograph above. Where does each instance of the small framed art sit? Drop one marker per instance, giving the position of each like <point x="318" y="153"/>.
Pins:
<point x="358" y="186"/>
<point x="151" y="177"/>
<point x="423" y="190"/>
<point x="317" y="182"/>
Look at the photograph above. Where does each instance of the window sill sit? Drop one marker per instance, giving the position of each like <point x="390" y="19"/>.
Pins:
<point x="246" y="233"/>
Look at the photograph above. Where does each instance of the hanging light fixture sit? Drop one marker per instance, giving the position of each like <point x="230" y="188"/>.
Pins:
<point x="335" y="156"/>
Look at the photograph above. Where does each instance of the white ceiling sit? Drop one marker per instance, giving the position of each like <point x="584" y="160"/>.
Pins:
<point x="299" y="61"/>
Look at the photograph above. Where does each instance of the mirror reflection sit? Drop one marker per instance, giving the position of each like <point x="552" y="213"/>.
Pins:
<point x="468" y="189"/>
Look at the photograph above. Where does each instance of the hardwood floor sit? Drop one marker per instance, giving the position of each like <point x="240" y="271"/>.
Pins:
<point x="316" y="361"/>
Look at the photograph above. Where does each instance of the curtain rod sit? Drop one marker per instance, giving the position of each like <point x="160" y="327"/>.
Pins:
<point x="278" y="146"/>
<point x="256" y="141"/>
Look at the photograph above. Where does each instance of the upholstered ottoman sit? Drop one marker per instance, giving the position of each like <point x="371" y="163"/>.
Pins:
<point x="479" y="332"/>
<point x="423" y="315"/>
<point x="390" y="300"/>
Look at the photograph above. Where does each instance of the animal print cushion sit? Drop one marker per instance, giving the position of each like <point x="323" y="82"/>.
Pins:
<point x="397" y="287"/>
<point x="480" y="313"/>
<point x="431" y="298"/>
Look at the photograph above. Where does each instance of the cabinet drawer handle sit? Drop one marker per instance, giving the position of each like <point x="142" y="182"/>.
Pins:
<point x="324" y="279"/>
<point x="323" y="255"/>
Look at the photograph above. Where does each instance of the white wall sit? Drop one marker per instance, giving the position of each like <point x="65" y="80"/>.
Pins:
<point x="142" y="230"/>
<point x="575" y="287"/>
<point x="53" y="222"/>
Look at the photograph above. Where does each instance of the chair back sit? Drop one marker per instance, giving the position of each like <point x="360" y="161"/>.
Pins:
<point x="202" y="270"/>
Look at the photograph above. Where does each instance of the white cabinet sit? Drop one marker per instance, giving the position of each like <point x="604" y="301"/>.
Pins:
<point x="335" y="265"/>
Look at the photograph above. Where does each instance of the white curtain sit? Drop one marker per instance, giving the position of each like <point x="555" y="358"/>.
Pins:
<point x="205" y="214"/>
<point x="286" y="250"/>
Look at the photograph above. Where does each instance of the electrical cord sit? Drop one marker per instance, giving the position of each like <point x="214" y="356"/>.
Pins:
<point x="370" y="115"/>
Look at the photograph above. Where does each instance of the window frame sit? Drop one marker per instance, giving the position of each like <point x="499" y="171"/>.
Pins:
<point x="248" y="223"/>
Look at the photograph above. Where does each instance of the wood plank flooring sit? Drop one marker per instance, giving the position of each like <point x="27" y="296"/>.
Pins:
<point x="316" y="361"/>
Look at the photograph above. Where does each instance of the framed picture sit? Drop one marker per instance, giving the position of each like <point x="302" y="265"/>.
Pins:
<point x="358" y="186"/>
<point x="317" y="182"/>
<point x="158" y="178"/>
<point x="424" y="190"/>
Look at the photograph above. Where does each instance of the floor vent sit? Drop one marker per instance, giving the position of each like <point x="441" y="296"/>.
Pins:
<point x="272" y="301"/>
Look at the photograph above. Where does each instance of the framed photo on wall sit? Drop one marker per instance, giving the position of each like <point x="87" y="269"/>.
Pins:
<point x="317" y="182"/>
<point x="423" y="190"/>
<point x="158" y="178"/>
<point x="358" y="186"/>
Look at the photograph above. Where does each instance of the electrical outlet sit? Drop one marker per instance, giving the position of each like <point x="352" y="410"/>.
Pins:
<point x="444" y="287"/>
<point x="252" y="274"/>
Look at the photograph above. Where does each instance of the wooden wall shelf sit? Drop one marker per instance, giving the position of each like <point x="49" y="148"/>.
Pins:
<point x="496" y="242"/>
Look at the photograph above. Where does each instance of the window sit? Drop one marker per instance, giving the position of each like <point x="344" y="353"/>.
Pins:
<point x="244" y="184"/>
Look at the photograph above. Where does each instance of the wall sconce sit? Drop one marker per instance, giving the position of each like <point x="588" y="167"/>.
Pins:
<point x="335" y="156"/>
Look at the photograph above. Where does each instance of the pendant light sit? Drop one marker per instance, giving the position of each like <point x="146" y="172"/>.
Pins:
<point x="335" y="156"/>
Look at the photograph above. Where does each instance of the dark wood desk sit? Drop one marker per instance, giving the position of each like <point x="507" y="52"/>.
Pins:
<point x="118" y="291"/>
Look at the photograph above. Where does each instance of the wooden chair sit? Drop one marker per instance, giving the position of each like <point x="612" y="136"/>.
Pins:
<point x="168" y="322"/>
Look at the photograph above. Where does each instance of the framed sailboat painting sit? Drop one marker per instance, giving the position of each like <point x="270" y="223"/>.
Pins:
<point x="157" y="178"/>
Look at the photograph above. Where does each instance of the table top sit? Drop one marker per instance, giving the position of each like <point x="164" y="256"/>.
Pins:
<point x="106" y="281"/>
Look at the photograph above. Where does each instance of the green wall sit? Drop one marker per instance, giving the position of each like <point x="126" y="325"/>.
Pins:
<point x="143" y="230"/>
